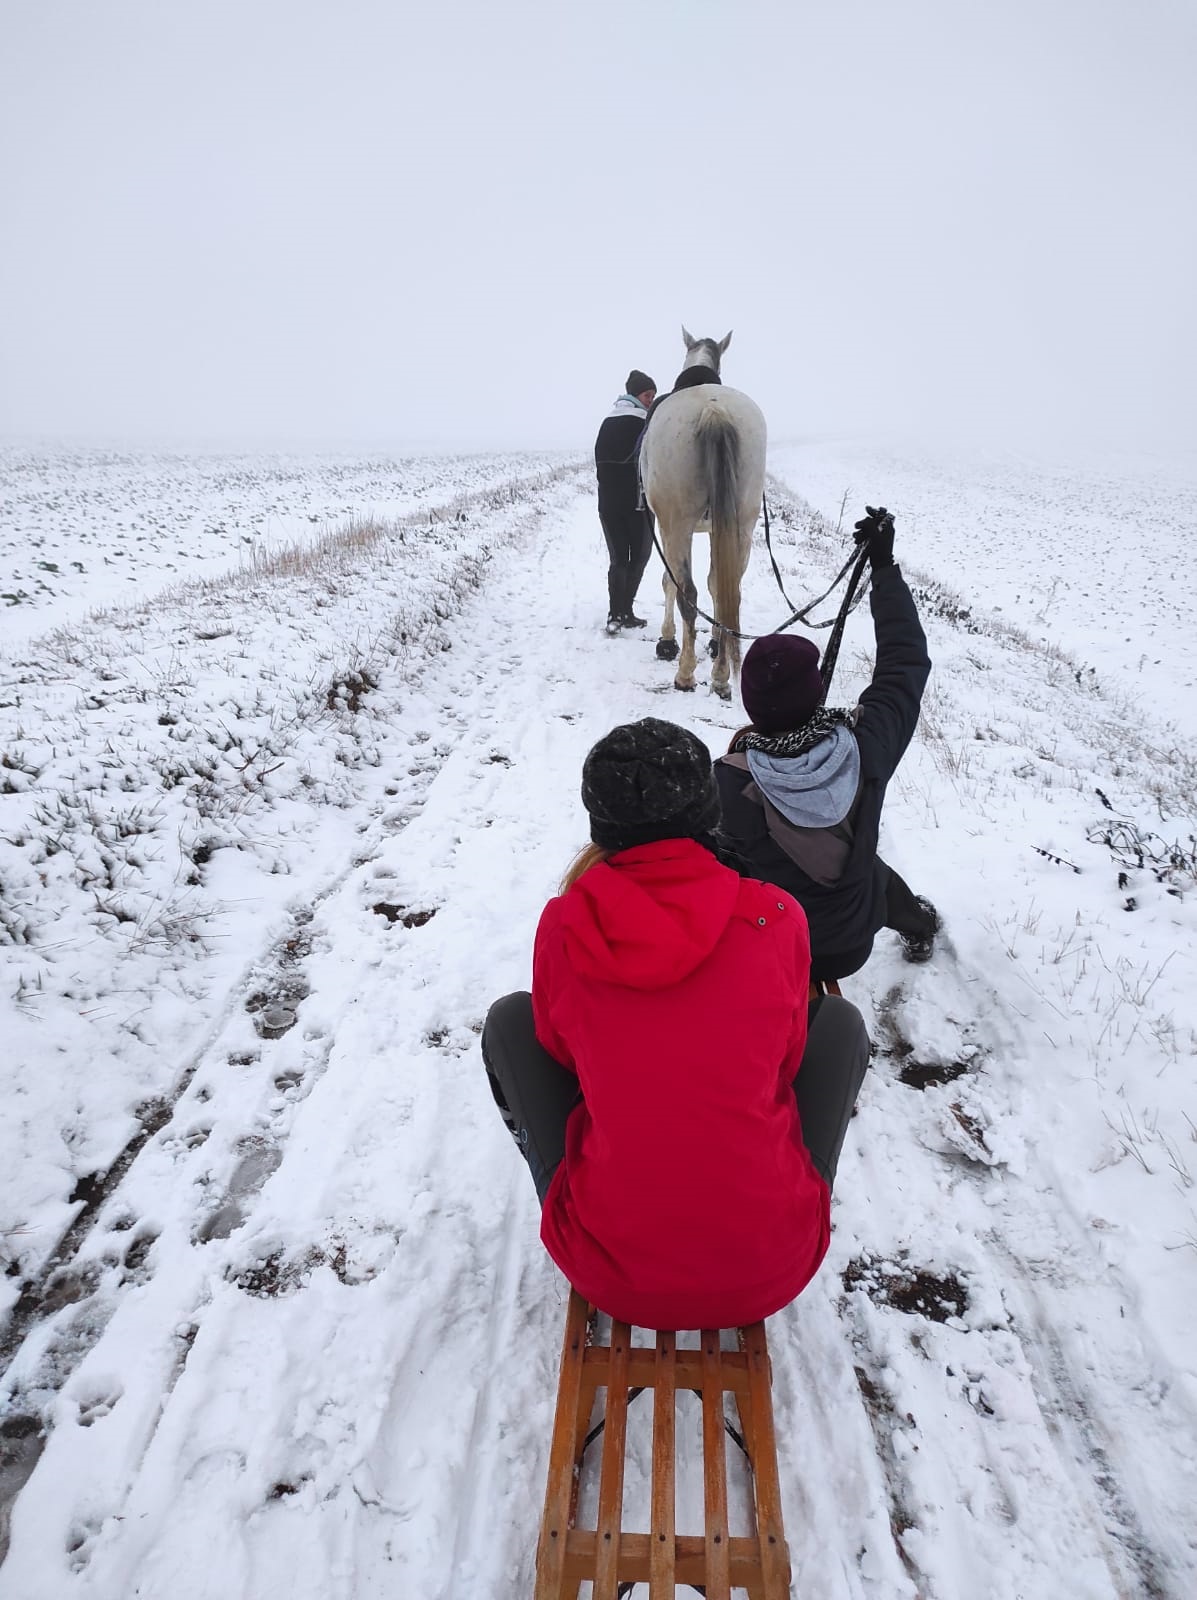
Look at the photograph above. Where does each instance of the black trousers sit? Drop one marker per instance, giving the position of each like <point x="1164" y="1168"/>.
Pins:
<point x="535" y="1094"/>
<point x="629" y="536"/>
<point x="903" y="914"/>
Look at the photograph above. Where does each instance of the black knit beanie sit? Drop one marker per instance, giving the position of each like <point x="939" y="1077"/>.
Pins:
<point x="639" y="381"/>
<point x="649" y="780"/>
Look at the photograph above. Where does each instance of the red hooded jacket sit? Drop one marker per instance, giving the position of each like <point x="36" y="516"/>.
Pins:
<point x="677" y="992"/>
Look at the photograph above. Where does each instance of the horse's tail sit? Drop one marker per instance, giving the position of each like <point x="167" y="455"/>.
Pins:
<point x="719" y="443"/>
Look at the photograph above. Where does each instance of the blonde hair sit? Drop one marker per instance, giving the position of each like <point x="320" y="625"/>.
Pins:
<point x="588" y="856"/>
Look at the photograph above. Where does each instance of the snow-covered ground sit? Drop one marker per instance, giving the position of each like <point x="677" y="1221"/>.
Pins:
<point x="91" y="528"/>
<point x="1098" y="558"/>
<point x="274" y="1317"/>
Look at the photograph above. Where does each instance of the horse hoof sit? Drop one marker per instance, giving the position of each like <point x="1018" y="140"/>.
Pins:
<point x="686" y="688"/>
<point x="723" y="690"/>
<point x="667" y="649"/>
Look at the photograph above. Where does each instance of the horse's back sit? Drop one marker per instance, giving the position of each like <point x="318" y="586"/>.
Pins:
<point x="671" y="456"/>
<point x="678" y="420"/>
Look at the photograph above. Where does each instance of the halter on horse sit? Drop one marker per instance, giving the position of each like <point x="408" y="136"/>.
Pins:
<point x="702" y="462"/>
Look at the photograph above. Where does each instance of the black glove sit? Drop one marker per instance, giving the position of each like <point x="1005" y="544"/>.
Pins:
<point x="877" y="532"/>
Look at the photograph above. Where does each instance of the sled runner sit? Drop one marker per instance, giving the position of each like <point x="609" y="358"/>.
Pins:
<point x="614" y="1560"/>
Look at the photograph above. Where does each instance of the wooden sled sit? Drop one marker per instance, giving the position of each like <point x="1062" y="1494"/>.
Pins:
<point x="613" y="1560"/>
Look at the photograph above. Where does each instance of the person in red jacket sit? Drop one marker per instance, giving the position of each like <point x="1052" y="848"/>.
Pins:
<point x="681" y="1124"/>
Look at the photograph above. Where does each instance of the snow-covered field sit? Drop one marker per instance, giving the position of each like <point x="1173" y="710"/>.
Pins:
<point x="1098" y="558"/>
<point x="94" y="528"/>
<point x="274" y="831"/>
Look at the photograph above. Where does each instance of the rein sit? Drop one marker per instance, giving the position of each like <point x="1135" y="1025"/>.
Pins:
<point x="852" y="569"/>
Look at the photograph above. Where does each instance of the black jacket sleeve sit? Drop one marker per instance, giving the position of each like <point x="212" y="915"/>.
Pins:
<point x="890" y="705"/>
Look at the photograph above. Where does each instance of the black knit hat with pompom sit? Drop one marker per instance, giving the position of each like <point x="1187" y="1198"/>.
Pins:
<point x="649" y="780"/>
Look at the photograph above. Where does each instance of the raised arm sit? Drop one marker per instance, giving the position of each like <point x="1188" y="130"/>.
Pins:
<point x="890" y="704"/>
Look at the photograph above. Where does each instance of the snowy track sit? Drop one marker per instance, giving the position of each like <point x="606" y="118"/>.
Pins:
<point x="304" y="1341"/>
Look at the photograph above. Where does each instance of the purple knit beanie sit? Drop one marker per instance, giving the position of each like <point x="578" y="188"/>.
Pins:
<point x="780" y="683"/>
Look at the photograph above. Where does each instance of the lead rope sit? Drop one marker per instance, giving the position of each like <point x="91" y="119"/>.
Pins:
<point x="854" y="565"/>
<point x="831" y="653"/>
<point x="772" y="557"/>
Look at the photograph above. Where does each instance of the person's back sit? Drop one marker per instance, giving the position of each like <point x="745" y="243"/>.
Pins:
<point x="615" y="447"/>
<point x="627" y="527"/>
<point x="677" y="992"/>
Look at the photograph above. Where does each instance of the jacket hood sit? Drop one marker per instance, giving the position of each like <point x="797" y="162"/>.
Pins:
<point x="815" y="789"/>
<point x="649" y="916"/>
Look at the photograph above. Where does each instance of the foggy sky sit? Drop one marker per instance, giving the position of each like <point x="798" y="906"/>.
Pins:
<point x="371" y="222"/>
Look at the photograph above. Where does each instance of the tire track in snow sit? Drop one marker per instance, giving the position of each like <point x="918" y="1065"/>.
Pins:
<point x="485" y="1352"/>
<point x="1032" y="1401"/>
<point x="62" y="1314"/>
<point x="43" y="1295"/>
<point x="476" y="1490"/>
<point x="1075" y="1410"/>
<point x="94" y="1191"/>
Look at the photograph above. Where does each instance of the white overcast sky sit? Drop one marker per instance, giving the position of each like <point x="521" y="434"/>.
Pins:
<point x="397" y="224"/>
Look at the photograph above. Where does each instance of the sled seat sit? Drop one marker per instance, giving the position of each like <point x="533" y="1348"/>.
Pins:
<point x="824" y="986"/>
<point x="614" y="1560"/>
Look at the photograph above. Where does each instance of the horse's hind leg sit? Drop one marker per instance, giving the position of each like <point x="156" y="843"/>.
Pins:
<point x="667" y="643"/>
<point x="716" y="639"/>
<point x="721" y="643"/>
<point x="687" y="601"/>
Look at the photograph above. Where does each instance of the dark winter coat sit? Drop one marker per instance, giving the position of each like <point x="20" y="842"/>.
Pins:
<point x="844" y="916"/>
<point x="615" y="457"/>
<point x="677" y="992"/>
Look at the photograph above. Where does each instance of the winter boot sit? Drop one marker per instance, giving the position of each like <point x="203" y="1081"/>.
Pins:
<point x="918" y="946"/>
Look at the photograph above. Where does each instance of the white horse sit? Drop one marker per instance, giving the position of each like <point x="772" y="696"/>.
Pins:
<point x="702" y="461"/>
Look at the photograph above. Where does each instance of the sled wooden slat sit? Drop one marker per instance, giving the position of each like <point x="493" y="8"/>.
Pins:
<point x="756" y="1424"/>
<point x="606" y="1555"/>
<point x="662" y="1580"/>
<point x="690" y="1562"/>
<point x="714" y="1473"/>
<point x="615" y="1433"/>
<point x="642" y="1368"/>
